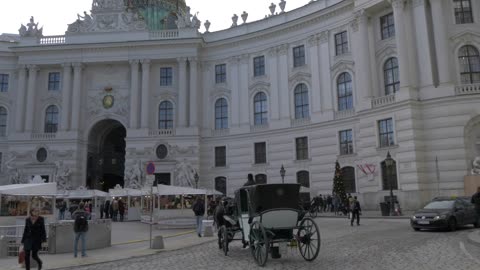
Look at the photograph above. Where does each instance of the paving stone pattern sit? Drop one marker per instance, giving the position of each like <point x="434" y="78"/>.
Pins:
<point x="376" y="244"/>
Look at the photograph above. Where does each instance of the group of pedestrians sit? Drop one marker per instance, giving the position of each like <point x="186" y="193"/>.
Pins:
<point x="114" y="210"/>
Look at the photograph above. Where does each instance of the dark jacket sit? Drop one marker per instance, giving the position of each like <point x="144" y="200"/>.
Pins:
<point x="76" y="227"/>
<point x="356" y="207"/>
<point x="34" y="234"/>
<point x="199" y="208"/>
<point x="476" y="200"/>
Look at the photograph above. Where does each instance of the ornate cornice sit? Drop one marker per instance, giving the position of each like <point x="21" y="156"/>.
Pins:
<point x="323" y="36"/>
<point x="313" y="41"/>
<point x="417" y="3"/>
<point x="397" y="3"/>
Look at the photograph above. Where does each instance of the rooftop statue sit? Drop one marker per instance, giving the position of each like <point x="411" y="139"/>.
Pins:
<point x="31" y="30"/>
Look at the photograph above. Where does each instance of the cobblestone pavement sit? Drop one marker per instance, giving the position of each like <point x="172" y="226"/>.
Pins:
<point x="376" y="244"/>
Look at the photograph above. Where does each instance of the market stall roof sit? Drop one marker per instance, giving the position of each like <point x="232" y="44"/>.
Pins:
<point x="44" y="189"/>
<point x="87" y="193"/>
<point x="127" y="192"/>
<point x="175" y="190"/>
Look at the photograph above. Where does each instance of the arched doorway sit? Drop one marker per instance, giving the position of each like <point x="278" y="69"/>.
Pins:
<point x="106" y="155"/>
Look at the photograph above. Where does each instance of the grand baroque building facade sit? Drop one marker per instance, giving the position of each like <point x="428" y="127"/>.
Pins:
<point x="333" y="80"/>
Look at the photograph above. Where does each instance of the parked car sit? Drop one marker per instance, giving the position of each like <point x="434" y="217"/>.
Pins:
<point x="445" y="213"/>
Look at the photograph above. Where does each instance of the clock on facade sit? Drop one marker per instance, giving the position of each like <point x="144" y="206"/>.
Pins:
<point x="162" y="151"/>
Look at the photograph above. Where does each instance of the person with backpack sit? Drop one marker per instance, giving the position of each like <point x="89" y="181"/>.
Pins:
<point x="199" y="210"/>
<point x="80" y="228"/>
<point x="356" y="211"/>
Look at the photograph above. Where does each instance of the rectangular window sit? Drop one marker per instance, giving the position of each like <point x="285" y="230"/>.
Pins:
<point x="302" y="148"/>
<point x="463" y="11"/>
<point x="259" y="66"/>
<point x="346" y="142"/>
<point x="221" y="73"/>
<point x="341" y="43"/>
<point x="385" y="132"/>
<point x="260" y="153"/>
<point x="166" y="76"/>
<point x="54" y="81"/>
<point x="299" y="56"/>
<point x="4" y="82"/>
<point x="387" y="24"/>
<point x="220" y="156"/>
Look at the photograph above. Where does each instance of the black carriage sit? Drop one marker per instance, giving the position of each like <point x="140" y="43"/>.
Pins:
<point x="266" y="215"/>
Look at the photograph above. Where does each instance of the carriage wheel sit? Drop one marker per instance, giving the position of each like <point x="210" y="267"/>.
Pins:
<point x="308" y="237"/>
<point x="259" y="243"/>
<point x="225" y="240"/>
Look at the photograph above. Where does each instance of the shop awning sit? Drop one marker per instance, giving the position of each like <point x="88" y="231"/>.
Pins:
<point x="44" y="189"/>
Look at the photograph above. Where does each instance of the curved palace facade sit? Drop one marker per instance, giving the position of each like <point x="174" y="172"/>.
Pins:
<point x="135" y="82"/>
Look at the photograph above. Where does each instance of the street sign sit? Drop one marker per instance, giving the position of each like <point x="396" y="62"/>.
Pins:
<point x="150" y="168"/>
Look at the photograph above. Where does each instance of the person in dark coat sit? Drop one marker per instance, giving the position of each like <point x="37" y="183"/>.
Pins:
<point x="476" y="201"/>
<point x="356" y="210"/>
<point x="121" y="209"/>
<point x="250" y="181"/>
<point x="199" y="210"/>
<point x="106" y="208"/>
<point x="34" y="235"/>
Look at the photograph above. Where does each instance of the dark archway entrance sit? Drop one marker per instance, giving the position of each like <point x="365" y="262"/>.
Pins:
<point x="106" y="155"/>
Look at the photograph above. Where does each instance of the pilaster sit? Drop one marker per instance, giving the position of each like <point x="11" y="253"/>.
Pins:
<point x="193" y="95"/>
<point x="66" y="96"/>
<point x="274" y="92"/>
<point x="313" y="43"/>
<point x="181" y="107"/>
<point x="31" y="94"/>
<point x="145" y="93"/>
<point x="134" y="101"/>
<point x="20" y="106"/>
<point x="77" y="91"/>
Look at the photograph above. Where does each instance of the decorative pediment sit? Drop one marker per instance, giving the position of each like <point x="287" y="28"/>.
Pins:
<point x="388" y="50"/>
<point x="465" y="38"/>
<point x="259" y="85"/>
<point x="342" y="65"/>
<point x="220" y="91"/>
<point x="298" y="77"/>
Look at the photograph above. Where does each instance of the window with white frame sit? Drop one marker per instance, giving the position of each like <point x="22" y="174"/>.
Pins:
<point x="344" y="92"/>
<point x="301" y="145"/>
<point x="260" y="149"/>
<point x="165" y="115"/>
<point x="346" y="142"/>
<point x="301" y="101"/>
<point x="348" y="177"/>
<point x="220" y="156"/>
<point x="387" y="23"/>
<point x="341" y="43"/>
<point x="4" y="82"/>
<point x="259" y="66"/>
<point x="54" y="81"/>
<point x="386" y="132"/>
<point x="221" y="114"/>
<point x="469" y="59"/>
<point x="260" y="109"/>
<point x="3" y="121"/>
<point x="391" y="76"/>
<point x="166" y="76"/>
<point x="299" y="56"/>
<point x="51" y="119"/>
<point x="463" y="11"/>
<point x="221" y="73"/>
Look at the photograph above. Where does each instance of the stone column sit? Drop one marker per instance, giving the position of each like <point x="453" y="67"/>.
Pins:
<point x="401" y="40"/>
<point x="315" y="69"/>
<point x="31" y="93"/>
<point x="232" y="75"/>
<point x="441" y="41"/>
<point x="243" y="90"/>
<point x="193" y="102"/>
<point x="283" y="82"/>
<point x="77" y="96"/>
<point x="66" y="96"/>
<point x="20" y="112"/>
<point x="134" y="106"/>
<point x="422" y="43"/>
<point x="362" y="60"/>
<point x="145" y="93"/>
<point x="273" y="74"/>
<point x="182" y="92"/>
<point x="325" y="77"/>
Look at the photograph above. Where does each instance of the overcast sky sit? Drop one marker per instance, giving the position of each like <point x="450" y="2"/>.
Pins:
<point x="54" y="15"/>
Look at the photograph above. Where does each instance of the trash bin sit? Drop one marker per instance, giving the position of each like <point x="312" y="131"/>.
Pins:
<point x="385" y="209"/>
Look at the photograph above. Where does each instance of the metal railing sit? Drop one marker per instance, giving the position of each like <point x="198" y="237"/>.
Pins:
<point x="161" y="132"/>
<point x="382" y="101"/>
<point x="467" y="89"/>
<point x="43" y="136"/>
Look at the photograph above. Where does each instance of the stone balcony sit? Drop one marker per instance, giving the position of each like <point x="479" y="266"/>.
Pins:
<point x="383" y="101"/>
<point x="43" y="136"/>
<point x="220" y="132"/>
<point x="344" y="114"/>
<point x="161" y="132"/>
<point x="258" y="128"/>
<point x="300" y="122"/>
<point x="467" y="89"/>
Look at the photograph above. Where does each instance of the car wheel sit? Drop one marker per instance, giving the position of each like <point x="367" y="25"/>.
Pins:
<point x="416" y="229"/>
<point x="452" y="224"/>
<point x="477" y="224"/>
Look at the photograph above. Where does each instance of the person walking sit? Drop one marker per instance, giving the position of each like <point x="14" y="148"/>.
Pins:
<point x="106" y="208"/>
<point x="61" y="210"/>
<point x="476" y="202"/>
<point x="356" y="211"/>
<point x="121" y="209"/>
<point x="199" y="210"/>
<point x="34" y="235"/>
<point x="102" y="210"/>
<point x="114" y="210"/>
<point x="80" y="228"/>
<point x="329" y="207"/>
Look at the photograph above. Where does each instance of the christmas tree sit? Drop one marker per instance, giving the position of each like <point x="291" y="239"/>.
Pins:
<point x="338" y="185"/>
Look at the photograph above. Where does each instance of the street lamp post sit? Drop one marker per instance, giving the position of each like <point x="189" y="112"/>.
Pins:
<point x="282" y="174"/>
<point x="389" y="164"/>
<point x="196" y="179"/>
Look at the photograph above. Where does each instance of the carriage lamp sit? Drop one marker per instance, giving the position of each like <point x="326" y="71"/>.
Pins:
<point x="389" y="165"/>
<point x="282" y="174"/>
<point x="196" y="179"/>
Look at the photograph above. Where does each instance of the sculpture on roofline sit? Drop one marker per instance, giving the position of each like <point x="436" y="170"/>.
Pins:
<point x="31" y="30"/>
<point x="184" y="174"/>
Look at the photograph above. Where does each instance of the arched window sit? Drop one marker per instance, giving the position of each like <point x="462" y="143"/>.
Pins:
<point x="51" y="119"/>
<point x="3" y="122"/>
<point x="390" y="74"/>
<point x="469" y="65"/>
<point x="261" y="178"/>
<point x="165" y="115"/>
<point x="221" y="184"/>
<point x="389" y="178"/>
<point x="303" y="178"/>
<point x="301" y="101"/>
<point x="348" y="175"/>
<point x="344" y="90"/>
<point x="260" y="109"/>
<point x="221" y="114"/>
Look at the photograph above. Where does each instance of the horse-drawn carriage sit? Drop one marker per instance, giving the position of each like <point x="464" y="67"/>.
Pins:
<point x="266" y="215"/>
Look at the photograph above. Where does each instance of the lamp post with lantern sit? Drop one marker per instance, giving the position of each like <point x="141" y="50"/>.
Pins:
<point x="282" y="174"/>
<point x="389" y="166"/>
